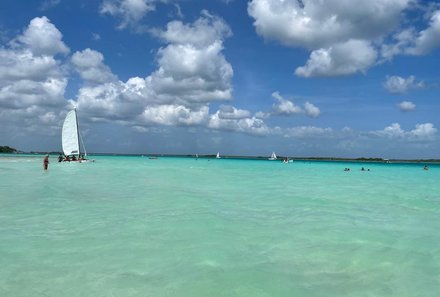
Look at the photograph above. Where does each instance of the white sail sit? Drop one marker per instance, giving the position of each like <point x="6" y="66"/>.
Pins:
<point x="70" y="137"/>
<point x="218" y="156"/>
<point x="273" y="156"/>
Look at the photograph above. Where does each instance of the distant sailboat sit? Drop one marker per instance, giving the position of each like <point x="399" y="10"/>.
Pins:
<point x="273" y="157"/>
<point x="71" y="137"/>
<point x="218" y="155"/>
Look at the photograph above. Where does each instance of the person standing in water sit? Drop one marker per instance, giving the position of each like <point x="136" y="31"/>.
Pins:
<point x="46" y="162"/>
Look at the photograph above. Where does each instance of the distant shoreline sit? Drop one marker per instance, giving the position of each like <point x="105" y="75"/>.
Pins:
<point x="280" y="158"/>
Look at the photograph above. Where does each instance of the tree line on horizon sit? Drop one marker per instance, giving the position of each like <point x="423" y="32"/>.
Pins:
<point x="7" y="149"/>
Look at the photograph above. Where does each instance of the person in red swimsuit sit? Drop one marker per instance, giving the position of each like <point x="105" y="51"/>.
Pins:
<point x="46" y="162"/>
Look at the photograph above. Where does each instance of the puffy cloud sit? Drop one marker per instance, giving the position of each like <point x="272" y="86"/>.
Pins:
<point x="173" y="115"/>
<point x="90" y="66"/>
<point x="402" y="40"/>
<point x="311" y="110"/>
<point x="30" y="74"/>
<point x="26" y="93"/>
<point x="43" y="38"/>
<point x="284" y="106"/>
<point x="397" y="84"/>
<point x="344" y="38"/>
<point x="392" y="131"/>
<point x="20" y="64"/>
<point x="262" y="115"/>
<point x="130" y="11"/>
<point x="287" y="107"/>
<point x="422" y="132"/>
<point x="192" y="69"/>
<point x="30" y="121"/>
<point x="48" y="117"/>
<point x="249" y="125"/>
<point x="115" y="100"/>
<point x="341" y="59"/>
<point x="33" y="81"/>
<point x="230" y="112"/>
<point x="203" y="32"/>
<point x="192" y="72"/>
<point x="410" y="42"/>
<point x="428" y="39"/>
<point x="406" y="106"/>
<point x="425" y="131"/>
<point x="308" y="132"/>
<point x="318" y="24"/>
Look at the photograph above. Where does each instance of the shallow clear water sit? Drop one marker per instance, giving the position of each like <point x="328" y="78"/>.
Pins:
<point x="131" y="226"/>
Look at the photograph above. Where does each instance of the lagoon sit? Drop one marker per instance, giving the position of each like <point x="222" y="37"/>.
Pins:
<point x="132" y="226"/>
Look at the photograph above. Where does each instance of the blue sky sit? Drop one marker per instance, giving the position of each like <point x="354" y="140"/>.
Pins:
<point x="301" y="78"/>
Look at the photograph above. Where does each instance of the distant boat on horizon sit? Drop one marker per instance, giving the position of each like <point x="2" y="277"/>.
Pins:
<point x="273" y="157"/>
<point x="70" y="137"/>
<point x="218" y="155"/>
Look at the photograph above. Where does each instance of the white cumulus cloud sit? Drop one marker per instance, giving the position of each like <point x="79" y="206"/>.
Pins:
<point x="230" y="112"/>
<point x="398" y="84"/>
<point x="311" y="110"/>
<point x="30" y="73"/>
<point x="406" y="106"/>
<point x="284" y="106"/>
<point x="344" y="37"/>
<point x="422" y="132"/>
<point x="130" y="12"/>
<point x="248" y="125"/>
<point x="90" y="66"/>
<point x="320" y="24"/>
<point x="340" y="59"/>
<point x="192" y="72"/>
<point x="409" y="41"/>
<point x="392" y="131"/>
<point x="427" y="39"/>
<point x="173" y="115"/>
<point x="43" y="38"/>
<point x="33" y="80"/>
<point x="288" y="107"/>
<point x="425" y="131"/>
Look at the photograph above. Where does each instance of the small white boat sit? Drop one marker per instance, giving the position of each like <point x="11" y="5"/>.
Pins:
<point x="71" y="139"/>
<point x="273" y="157"/>
<point x="218" y="156"/>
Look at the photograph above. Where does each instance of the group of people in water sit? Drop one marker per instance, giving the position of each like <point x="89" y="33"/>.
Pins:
<point x="63" y="158"/>
<point x="73" y="158"/>
<point x="362" y="169"/>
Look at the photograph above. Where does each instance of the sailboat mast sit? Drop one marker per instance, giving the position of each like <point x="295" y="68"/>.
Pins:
<point x="77" y="132"/>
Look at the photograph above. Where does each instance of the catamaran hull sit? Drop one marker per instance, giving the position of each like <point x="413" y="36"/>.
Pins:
<point x="82" y="161"/>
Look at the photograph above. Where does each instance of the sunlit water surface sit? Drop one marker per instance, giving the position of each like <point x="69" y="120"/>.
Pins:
<point x="132" y="226"/>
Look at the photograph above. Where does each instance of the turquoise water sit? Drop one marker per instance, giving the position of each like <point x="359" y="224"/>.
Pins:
<point x="131" y="226"/>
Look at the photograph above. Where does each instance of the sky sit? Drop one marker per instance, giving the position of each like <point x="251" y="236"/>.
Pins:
<point x="334" y="78"/>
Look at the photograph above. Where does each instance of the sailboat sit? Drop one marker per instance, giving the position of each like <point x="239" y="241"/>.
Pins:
<point x="218" y="155"/>
<point x="273" y="157"/>
<point x="71" y="138"/>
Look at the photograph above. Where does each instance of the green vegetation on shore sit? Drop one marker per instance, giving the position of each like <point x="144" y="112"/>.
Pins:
<point x="7" y="150"/>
